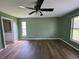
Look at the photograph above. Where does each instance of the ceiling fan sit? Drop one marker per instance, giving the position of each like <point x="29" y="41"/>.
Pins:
<point x="37" y="8"/>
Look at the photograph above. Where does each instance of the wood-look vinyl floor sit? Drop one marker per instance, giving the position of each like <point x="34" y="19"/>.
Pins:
<point x="39" y="50"/>
<point x="61" y="50"/>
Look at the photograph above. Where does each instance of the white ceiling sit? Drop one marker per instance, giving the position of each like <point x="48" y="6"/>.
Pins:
<point x="61" y="7"/>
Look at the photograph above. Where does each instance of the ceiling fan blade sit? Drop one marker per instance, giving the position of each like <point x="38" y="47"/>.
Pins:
<point x="47" y="9"/>
<point x="30" y="8"/>
<point x="41" y="14"/>
<point x="38" y="4"/>
<point x="31" y="12"/>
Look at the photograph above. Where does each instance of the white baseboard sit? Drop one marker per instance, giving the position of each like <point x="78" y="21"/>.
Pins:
<point x="70" y="45"/>
<point x="40" y="38"/>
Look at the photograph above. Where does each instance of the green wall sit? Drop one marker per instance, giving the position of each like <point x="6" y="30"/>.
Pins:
<point x="40" y="27"/>
<point x="65" y="27"/>
<point x="1" y="35"/>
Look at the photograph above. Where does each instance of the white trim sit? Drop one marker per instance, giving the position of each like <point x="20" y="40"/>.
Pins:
<point x="3" y="28"/>
<point x="6" y="18"/>
<point x="70" y="45"/>
<point x="40" y="38"/>
<point x="71" y="30"/>
<point x="3" y="31"/>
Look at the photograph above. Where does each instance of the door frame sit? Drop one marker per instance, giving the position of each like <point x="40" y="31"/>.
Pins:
<point x="4" y="43"/>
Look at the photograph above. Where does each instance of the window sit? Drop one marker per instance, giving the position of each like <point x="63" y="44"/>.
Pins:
<point x="24" y="32"/>
<point x="75" y="29"/>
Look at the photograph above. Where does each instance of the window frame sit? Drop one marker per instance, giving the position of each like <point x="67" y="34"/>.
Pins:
<point x="22" y="30"/>
<point x="71" y="33"/>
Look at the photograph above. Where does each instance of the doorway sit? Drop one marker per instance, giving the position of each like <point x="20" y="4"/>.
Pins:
<point x="7" y="31"/>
